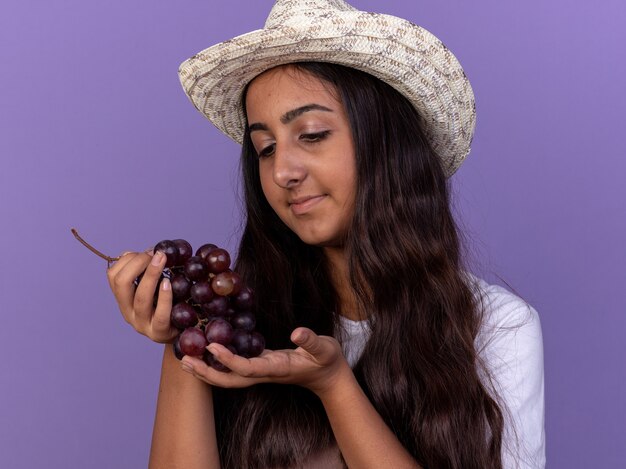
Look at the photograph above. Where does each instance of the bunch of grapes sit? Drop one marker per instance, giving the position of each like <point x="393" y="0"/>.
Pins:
<point x="210" y="302"/>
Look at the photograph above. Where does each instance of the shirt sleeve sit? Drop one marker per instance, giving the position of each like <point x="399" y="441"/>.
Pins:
<point x="511" y="347"/>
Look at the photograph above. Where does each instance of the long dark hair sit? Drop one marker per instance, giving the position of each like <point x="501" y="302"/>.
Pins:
<point x="406" y="270"/>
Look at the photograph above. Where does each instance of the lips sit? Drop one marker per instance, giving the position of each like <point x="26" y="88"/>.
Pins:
<point x="302" y="205"/>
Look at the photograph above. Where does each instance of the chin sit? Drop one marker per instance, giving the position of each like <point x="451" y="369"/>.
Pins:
<point x="322" y="241"/>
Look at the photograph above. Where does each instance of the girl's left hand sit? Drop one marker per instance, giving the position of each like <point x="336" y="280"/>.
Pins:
<point x="316" y="364"/>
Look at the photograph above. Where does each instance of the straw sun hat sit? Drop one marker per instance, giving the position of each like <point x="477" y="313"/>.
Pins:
<point x="398" y="52"/>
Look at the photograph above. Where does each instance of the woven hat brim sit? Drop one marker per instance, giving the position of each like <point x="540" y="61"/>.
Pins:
<point x="402" y="54"/>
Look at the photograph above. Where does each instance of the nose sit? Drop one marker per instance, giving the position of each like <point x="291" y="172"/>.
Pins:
<point x="289" y="168"/>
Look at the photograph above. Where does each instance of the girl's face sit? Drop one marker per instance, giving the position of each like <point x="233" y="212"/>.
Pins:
<point x="307" y="166"/>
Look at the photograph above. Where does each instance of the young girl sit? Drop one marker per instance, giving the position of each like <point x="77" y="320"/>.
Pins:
<point x="382" y="351"/>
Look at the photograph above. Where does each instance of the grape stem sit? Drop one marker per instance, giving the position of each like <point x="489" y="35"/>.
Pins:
<point x="109" y="259"/>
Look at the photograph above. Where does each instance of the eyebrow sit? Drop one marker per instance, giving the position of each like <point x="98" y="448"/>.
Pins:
<point x="291" y="115"/>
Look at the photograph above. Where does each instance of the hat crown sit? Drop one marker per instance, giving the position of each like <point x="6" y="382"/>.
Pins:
<point x="285" y="11"/>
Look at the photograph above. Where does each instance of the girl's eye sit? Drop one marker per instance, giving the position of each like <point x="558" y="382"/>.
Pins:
<point x="316" y="137"/>
<point x="308" y="138"/>
<point x="267" y="151"/>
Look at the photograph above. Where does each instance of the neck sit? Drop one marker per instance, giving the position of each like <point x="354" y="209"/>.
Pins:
<point x="338" y="271"/>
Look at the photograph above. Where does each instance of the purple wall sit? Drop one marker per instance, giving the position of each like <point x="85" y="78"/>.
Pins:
<point x="95" y="132"/>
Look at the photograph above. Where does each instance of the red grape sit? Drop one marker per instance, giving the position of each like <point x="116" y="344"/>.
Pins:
<point x="218" y="306"/>
<point x="242" y="342"/>
<point x="244" y="300"/>
<point x="244" y="320"/>
<point x="226" y="283"/>
<point x="183" y="315"/>
<point x="170" y="250"/>
<point x="177" y="351"/>
<point x="220" y="331"/>
<point x="257" y="344"/>
<point x="180" y="287"/>
<point x="210" y="360"/>
<point x="201" y="292"/>
<point x="204" y="250"/>
<point x="185" y="250"/>
<point x="196" y="268"/>
<point x="218" y="260"/>
<point x="193" y="342"/>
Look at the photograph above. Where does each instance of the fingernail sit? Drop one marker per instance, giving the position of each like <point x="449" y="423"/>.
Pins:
<point x="149" y="251"/>
<point x="165" y="284"/>
<point x="156" y="259"/>
<point x="212" y="348"/>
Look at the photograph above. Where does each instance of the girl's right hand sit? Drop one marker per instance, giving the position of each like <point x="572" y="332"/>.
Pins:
<point x="136" y="303"/>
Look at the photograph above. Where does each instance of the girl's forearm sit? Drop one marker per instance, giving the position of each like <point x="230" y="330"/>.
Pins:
<point x="362" y="435"/>
<point x="184" y="427"/>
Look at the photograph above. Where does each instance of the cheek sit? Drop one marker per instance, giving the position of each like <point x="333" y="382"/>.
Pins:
<point x="349" y="182"/>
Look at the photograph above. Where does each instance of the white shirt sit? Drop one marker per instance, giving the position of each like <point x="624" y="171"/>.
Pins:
<point x="510" y="344"/>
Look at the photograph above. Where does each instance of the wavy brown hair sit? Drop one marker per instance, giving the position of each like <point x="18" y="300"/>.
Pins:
<point x="419" y="369"/>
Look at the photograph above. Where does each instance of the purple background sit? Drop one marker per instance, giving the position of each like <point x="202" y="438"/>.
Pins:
<point x="96" y="133"/>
